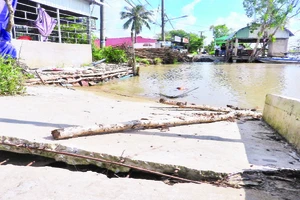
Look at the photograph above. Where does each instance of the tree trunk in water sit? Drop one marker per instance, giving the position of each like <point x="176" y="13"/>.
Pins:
<point x="254" y="53"/>
<point x="11" y="15"/>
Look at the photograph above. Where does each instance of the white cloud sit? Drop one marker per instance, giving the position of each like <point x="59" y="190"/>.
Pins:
<point x="234" y="21"/>
<point x="113" y="26"/>
<point x="189" y="8"/>
<point x="294" y="27"/>
<point x="186" y="22"/>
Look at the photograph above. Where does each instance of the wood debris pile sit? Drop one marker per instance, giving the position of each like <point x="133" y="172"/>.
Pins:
<point x="167" y="55"/>
<point x="82" y="76"/>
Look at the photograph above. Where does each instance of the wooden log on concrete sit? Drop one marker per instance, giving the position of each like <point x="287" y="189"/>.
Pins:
<point x="77" y="131"/>
<point x="192" y="106"/>
<point x="238" y="113"/>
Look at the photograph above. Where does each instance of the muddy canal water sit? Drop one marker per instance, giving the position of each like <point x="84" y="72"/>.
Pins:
<point x="239" y="84"/>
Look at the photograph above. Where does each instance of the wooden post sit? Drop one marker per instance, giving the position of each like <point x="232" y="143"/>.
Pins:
<point x="236" y="46"/>
<point x="58" y="25"/>
<point x="226" y="56"/>
<point x="162" y="21"/>
<point x="11" y="15"/>
<point x="102" y="40"/>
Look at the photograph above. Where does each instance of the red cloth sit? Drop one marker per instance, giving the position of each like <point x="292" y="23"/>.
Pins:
<point x="24" y="37"/>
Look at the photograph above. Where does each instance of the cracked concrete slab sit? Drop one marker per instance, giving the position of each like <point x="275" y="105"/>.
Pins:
<point x="220" y="147"/>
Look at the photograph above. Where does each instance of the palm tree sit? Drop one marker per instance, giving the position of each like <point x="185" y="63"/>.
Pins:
<point x="137" y="17"/>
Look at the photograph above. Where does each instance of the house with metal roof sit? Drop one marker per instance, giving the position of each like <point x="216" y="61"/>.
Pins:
<point x="277" y="48"/>
<point x="68" y="43"/>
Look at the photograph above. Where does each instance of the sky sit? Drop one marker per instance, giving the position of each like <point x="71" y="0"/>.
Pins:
<point x="201" y="15"/>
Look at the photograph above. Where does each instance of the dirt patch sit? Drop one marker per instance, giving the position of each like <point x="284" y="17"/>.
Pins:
<point x="284" y="184"/>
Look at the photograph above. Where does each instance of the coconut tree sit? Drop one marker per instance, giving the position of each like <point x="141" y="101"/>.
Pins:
<point x="137" y="17"/>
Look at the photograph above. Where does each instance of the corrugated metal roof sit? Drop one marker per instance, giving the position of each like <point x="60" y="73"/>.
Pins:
<point x="245" y="33"/>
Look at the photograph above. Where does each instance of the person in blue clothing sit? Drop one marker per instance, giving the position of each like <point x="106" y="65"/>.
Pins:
<point x="223" y="49"/>
<point x="217" y="50"/>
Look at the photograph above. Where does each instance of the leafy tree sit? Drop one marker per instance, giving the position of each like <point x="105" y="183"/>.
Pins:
<point x="195" y="42"/>
<point x="137" y="17"/>
<point x="210" y="48"/>
<point x="220" y="30"/>
<point x="180" y="33"/>
<point x="169" y="35"/>
<point x="269" y="14"/>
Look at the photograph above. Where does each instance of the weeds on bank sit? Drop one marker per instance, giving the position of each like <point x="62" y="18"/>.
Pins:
<point x="157" y="61"/>
<point x="142" y="60"/>
<point x="111" y="54"/>
<point x="11" y="77"/>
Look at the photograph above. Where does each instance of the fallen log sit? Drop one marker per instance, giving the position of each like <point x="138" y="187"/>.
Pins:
<point x="229" y="108"/>
<point x="192" y="106"/>
<point x="77" y="131"/>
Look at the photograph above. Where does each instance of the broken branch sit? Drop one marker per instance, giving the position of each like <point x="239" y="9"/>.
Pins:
<point x="4" y="161"/>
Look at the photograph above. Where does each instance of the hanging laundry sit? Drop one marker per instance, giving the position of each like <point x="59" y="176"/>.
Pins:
<point x="44" y="23"/>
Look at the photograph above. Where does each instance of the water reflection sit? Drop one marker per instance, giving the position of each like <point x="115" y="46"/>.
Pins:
<point x="240" y="84"/>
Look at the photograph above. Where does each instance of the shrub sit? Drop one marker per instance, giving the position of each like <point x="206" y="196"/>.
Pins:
<point x="11" y="77"/>
<point x="138" y="59"/>
<point x="142" y="60"/>
<point x="157" y="61"/>
<point x="145" y="61"/>
<point x="111" y="54"/>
